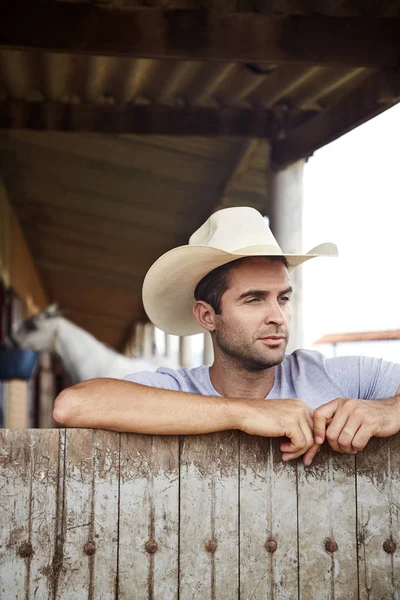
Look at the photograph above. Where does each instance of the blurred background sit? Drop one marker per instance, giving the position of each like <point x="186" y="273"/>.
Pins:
<point x="123" y="126"/>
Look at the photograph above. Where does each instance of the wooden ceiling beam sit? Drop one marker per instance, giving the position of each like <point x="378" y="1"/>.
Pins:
<point x="151" y="119"/>
<point x="199" y="34"/>
<point x="367" y="100"/>
<point x="145" y="119"/>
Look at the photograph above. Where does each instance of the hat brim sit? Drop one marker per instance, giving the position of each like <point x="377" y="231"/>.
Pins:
<point x="168" y="288"/>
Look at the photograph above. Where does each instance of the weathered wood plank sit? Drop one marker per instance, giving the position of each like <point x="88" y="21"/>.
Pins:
<point x="378" y="504"/>
<point x="200" y="34"/>
<point x="90" y="527"/>
<point x="268" y="521"/>
<point x="178" y="529"/>
<point x="149" y="517"/>
<point x="327" y="528"/>
<point x="209" y="519"/>
<point x="31" y="473"/>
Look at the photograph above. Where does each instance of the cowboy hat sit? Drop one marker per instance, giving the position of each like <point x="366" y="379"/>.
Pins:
<point x="229" y="234"/>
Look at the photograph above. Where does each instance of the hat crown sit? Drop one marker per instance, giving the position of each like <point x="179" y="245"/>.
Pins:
<point x="231" y="229"/>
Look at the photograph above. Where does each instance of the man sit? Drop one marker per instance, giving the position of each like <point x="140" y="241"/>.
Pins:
<point x="233" y="281"/>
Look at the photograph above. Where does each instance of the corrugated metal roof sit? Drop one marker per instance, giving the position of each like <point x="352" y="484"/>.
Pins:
<point x="95" y="79"/>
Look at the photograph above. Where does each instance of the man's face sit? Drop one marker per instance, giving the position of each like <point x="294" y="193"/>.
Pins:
<point x="253" y="327"/>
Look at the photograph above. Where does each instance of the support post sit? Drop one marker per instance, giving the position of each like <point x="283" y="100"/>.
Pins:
<point x="285" y="211"/>
<point x="138" y="340"/>
<point x="148" y="340"/>
<point x="208" y="353"/>
<point x="185" y="351"/>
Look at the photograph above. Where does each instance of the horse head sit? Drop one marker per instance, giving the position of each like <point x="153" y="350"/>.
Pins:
<point x="38" y="332"/>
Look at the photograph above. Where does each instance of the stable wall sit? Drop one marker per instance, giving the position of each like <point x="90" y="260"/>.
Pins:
<point x="17" y="269"/>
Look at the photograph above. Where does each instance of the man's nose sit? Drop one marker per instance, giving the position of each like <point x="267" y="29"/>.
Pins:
<point x="274" y="314"/>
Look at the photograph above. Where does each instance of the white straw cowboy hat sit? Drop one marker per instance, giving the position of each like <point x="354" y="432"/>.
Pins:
<point x="229" y="234"/>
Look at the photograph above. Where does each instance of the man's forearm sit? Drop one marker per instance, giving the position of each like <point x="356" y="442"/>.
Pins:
<point x="125" y="406"/>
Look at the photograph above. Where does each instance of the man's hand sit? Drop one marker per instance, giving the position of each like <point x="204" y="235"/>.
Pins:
<point x="288" y="417"/>
<point x="348" y="424"/>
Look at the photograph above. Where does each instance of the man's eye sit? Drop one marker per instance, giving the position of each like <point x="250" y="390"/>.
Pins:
<point x="285" y="298"/>
<point x="252" y="300"/>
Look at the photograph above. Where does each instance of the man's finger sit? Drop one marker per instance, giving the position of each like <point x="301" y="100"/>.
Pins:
<point x="361" y="438"/>
<point x="321" y="416"/>
<point x="297" y="440"/>
<point x="310" y="454"/>
<point x="286" y="456"/>
<point x="308" y="433"/>
<point x="346" y="436"/>
<point x="294" y="449"/>
<point x="335" y="429"/>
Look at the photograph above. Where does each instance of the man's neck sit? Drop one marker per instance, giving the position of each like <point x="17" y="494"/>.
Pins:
<point x="234" y="381"/>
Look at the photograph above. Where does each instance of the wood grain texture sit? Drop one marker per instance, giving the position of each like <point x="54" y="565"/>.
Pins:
<point x="378" y="504"/>
<point x="327" y="528"/>
<point x="149" y="517"/>
<point x="209" y="520"/>
<point x="31" y="468"/>
<point x="268" y="522"/>
<point x="90" y="516"/>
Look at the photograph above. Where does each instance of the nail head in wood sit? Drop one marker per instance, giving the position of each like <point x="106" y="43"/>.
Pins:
<point x="90" y="548"/>
<point x="271" y="545"/>
<point x="151" y="547"/>
<point x="211" y="546"/>
<point x="331" y="545"/>
<point x="389" y="546"/>
<point x="25" y="550"/>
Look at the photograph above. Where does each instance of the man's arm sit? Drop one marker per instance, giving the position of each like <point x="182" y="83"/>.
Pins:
<point x="126" y="406"/>
<point x="349" y="424"/>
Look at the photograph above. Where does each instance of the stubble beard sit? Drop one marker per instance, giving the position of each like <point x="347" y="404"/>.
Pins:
<point x="245" y="354"/>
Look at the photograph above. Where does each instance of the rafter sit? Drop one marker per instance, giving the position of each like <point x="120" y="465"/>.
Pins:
<point x="141" y="119"/>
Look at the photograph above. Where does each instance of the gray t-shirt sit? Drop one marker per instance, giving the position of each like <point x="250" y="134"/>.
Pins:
<point x="305" y="374"/>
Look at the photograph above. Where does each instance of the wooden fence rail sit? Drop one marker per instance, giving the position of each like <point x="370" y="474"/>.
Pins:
<point x="95" y="514"/>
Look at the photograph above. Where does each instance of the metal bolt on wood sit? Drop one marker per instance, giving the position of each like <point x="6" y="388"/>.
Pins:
<point x="389" y="546"/>
<point x="25" y="550"/>
<point x="211" y="546"/>
<point x="223" y="481"/>
<point x="271" y="545"/>
<point x="151" y="546"/>
<point x="331" y="545"/>
<point x="89" y="548"/>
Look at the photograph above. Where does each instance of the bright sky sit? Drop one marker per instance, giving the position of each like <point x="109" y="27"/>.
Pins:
<point x="352" y="198"/>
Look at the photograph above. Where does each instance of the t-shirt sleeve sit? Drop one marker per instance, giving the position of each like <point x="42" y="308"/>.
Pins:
<point x="156" y="380"/>
<point x="364" y="377"/>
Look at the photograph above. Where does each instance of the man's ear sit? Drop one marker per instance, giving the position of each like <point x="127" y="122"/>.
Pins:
<point x="205" y="315"/>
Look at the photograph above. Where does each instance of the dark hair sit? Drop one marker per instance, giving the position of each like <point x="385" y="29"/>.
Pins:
<point x="213" y="286"/>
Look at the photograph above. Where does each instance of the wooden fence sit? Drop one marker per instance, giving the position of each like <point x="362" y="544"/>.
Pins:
<point x="95" y="514"/>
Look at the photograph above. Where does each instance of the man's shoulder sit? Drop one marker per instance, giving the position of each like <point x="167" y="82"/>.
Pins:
<point x="185" y="379"/>
<point x="303" y="356"/>
<point x="353" y="376"/>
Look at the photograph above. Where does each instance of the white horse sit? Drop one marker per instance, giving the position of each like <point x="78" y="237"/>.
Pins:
<point x="82" y="355"/>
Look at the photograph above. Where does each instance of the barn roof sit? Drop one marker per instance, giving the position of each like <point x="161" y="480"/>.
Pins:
<point x="125" y="124"/>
